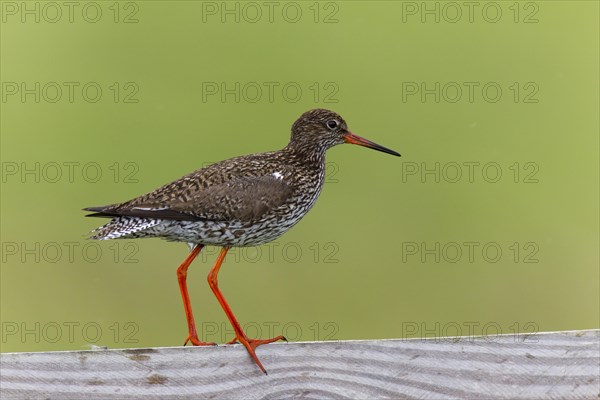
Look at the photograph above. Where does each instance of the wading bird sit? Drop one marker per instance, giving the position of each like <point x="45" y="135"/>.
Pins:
<point x="244" y="201"/>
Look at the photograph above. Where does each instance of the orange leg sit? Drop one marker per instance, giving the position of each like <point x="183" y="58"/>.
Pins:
<point x="240" y="336"/>
<point x="181" y="277"/>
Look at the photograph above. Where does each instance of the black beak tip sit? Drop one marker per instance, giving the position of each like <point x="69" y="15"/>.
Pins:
<point x="388" y="151"/>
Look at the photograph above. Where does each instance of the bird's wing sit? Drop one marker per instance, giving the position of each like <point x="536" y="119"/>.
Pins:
<point x="239" y="198"/>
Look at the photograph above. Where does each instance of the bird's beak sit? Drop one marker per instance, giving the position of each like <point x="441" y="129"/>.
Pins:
<point x="355" y="139"/>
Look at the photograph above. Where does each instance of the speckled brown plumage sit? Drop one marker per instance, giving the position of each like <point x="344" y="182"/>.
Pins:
<point x="243" y="201"/>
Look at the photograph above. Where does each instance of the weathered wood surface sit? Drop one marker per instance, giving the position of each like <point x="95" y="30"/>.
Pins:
<point x="561" y="365"/>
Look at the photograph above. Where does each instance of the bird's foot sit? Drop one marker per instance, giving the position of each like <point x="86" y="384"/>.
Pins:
<point x="197" y="342"/>
<point x="252" y="344"/>
<point x="257" y="341"/>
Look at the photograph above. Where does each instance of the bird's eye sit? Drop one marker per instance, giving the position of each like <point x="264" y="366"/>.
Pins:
<point x="332" y="124"/>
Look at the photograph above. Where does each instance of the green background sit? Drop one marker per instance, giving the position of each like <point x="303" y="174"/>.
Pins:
<point x="370" y="211"/>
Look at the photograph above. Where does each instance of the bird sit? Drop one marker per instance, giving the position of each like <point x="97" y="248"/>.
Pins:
<point x="242" y="201"/>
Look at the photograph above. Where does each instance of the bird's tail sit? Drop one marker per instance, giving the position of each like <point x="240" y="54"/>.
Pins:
<point x="123" y="228"/>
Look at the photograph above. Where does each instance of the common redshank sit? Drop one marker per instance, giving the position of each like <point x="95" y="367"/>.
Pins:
<point x="244" y="201"/>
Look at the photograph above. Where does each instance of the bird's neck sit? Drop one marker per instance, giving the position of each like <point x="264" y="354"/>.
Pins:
<point x="306" y="153"/>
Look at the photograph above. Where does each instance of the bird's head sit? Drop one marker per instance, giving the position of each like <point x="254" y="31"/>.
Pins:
<point x="321" y="129"/>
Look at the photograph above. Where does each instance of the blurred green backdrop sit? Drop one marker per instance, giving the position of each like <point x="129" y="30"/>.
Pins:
<point x="105" y="101"/>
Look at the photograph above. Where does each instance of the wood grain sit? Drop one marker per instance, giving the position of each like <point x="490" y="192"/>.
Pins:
<point x="560" y="365"/>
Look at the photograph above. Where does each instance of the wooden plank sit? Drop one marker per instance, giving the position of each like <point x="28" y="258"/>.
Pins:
<point x="561" y="365"/>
